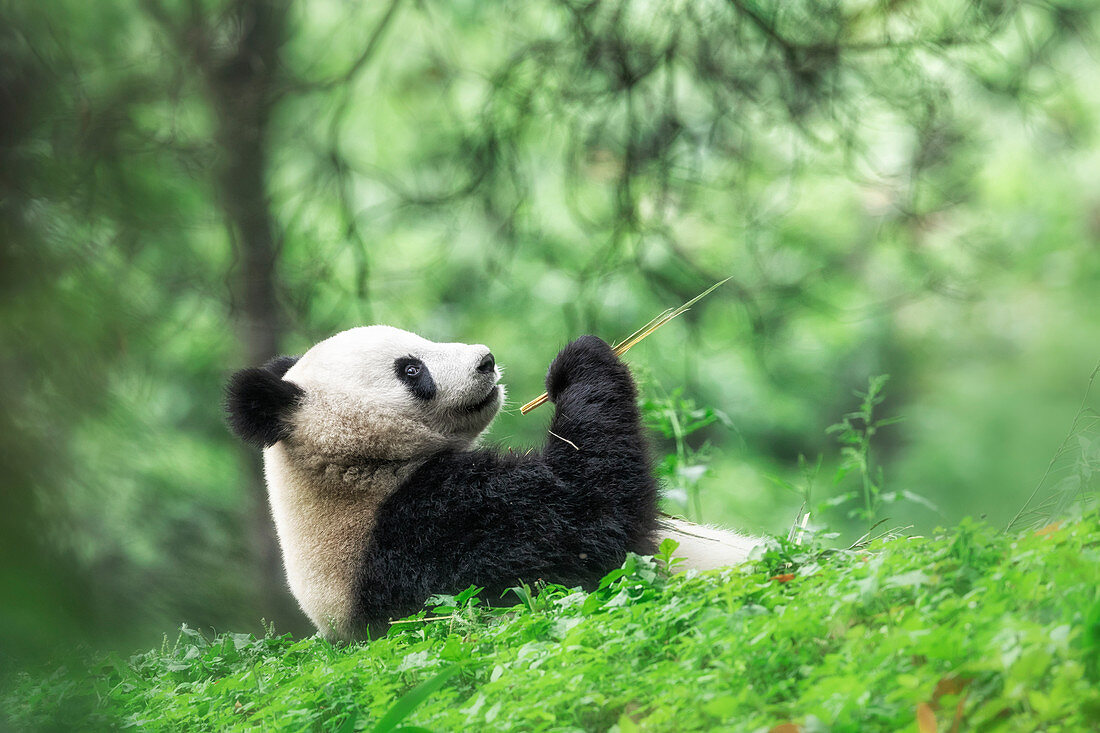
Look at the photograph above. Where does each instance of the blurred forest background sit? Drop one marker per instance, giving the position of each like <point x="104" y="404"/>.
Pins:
<point x="192" y="186"/>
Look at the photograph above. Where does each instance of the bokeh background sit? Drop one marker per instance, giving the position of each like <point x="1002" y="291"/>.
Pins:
<point x="192" y="186"/>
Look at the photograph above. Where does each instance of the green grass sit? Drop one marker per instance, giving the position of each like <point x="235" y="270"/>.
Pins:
<point x="976" y="629"/>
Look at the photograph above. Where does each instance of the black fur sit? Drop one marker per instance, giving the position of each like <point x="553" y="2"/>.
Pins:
<point x="422" y="385"/>
<point x="280" y="365"/>
<point x="565" y="515"/>
<point x="259" y="402"/>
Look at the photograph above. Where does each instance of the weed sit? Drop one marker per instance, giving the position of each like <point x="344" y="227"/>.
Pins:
<point x="666" y="558"/>
<point x="676" y="417"/>
<point x="855" y="432"/>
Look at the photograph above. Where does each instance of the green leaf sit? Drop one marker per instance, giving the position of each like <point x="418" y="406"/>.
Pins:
<point x="411" y="700"/>
<point x="349" y="722"/>
<point x="721" y="707"/>
<point x="466" y="595"/>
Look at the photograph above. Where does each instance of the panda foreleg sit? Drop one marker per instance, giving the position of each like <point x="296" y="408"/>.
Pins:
<point x="596" y="444"/>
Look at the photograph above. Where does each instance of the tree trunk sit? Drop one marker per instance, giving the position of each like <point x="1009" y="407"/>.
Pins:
<point x="243" y="84"/>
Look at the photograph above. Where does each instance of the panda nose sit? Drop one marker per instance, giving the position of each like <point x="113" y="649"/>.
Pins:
<point x="487" y="364"/>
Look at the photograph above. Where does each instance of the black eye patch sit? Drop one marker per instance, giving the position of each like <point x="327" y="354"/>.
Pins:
<point x="414" y="374"/>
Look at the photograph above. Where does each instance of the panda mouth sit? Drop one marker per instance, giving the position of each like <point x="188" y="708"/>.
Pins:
<point x="489" y="399"/>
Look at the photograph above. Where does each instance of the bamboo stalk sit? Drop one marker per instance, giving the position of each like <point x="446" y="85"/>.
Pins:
<point x="636" y="338"/>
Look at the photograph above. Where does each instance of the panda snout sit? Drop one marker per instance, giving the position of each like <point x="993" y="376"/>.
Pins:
<point x="487" y="364"/>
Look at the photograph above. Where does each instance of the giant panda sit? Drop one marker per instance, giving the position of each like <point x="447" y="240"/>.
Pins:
<point x="381" y="496"/>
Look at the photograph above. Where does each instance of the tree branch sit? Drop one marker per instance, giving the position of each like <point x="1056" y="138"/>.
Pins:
<point x="308" y="87"/>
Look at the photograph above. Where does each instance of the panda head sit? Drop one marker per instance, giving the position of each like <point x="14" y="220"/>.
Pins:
<point x="373" y="392"/>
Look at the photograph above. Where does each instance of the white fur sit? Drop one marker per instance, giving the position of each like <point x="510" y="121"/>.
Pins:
<point x="356" y="366"/>
<point x="703" y="547"/>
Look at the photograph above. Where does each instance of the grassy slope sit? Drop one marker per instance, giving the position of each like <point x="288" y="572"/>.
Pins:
<point x="992" y="632"/>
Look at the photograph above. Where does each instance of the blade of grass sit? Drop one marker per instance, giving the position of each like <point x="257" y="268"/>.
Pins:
<point x="411" y="700"/>
<point x="637" y="337"/>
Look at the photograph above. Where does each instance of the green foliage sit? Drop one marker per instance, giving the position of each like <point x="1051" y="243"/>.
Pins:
<point x="993" y="631"/>
<point x="405" y="705"/>
<point x="895" y="187"/>
<point x="674" y="417"/>
<point x="854" y="432"/>
<point x="666" y="555"/>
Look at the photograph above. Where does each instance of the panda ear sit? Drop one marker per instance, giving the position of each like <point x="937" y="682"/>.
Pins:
<point x="280" y="365"/>
<point x="259" y="402"/>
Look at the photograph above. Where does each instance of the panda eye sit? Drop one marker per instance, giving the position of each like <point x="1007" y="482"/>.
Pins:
<point x="416" y="377"/>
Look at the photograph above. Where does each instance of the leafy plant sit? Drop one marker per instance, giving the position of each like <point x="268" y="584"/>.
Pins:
<point x="676" y="417"/>
<point x="665" y="556"/>
<point x="855" y="432"/>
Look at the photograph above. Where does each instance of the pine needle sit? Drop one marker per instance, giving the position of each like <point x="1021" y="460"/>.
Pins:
<point x="637" y="337"/>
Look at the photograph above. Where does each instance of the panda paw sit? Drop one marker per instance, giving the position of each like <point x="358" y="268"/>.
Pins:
<point x="587" y="359"/>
